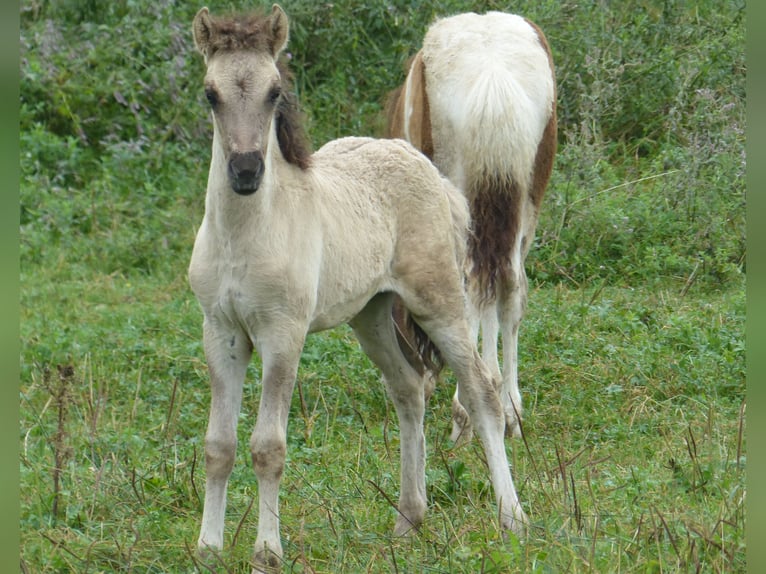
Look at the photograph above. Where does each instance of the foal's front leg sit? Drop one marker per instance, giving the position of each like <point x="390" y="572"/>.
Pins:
<point x="228" y="353"/>
<point x="268" y="445"/>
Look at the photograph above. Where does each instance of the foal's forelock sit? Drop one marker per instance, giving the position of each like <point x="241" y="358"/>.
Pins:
<point x="254" y="31"/>
<point x="250" y="35"/>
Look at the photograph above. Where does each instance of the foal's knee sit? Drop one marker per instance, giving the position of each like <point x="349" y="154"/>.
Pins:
<point x="220" y="453"/>
<point x="268" y="454"/>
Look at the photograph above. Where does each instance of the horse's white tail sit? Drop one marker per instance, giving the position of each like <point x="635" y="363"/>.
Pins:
<point x="491" y="100"/>
<point x="500" y="128"/>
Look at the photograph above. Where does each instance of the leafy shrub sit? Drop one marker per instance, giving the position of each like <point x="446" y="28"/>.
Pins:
<point x="648" y="181"/>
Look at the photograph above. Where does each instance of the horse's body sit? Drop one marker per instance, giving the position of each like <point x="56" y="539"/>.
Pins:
<point x="293" y="243"/>
<point x="480" y="101"/>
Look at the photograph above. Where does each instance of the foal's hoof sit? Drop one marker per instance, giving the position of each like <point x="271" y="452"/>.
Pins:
<point x="209" y="557"/>
<point x="405" y="527"/>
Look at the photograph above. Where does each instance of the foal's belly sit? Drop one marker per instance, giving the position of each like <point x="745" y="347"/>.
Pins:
<point x="258" y="304"/>
<point x="341" y="312"/>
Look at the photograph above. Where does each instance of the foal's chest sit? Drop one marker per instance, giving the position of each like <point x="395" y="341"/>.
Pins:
<point x="252" y="289"/>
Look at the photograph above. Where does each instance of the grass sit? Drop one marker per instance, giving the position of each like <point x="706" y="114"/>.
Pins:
<point x="633" y="458"/>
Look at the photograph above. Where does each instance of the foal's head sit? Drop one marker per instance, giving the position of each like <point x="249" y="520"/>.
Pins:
<point x="248" y="89"/>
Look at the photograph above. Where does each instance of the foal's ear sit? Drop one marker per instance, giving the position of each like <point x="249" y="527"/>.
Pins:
<point x="202" y="30"/>
<point x="279" y="29"/>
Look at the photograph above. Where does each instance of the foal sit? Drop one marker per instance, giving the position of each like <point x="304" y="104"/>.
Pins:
<point x="293" y="243"/>
<point x="480" y="101"/>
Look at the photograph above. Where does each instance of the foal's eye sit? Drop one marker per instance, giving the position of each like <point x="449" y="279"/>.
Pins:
<point x="212" y="97"/>
<point x="274" y="94"/>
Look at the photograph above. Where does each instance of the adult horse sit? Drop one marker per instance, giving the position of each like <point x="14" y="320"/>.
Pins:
<point x="480" y="101"/>
<point x="293" y="243"/>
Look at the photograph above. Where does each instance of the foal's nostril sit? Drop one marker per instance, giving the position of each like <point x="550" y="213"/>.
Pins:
<point x="246" y="171"/>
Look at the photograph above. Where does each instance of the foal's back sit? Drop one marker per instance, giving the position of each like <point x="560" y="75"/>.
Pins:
<point x="385" y="212"/>
<point x="387" y="184"/>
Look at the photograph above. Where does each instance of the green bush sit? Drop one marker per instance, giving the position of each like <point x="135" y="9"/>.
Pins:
<point x="648" y="180"/>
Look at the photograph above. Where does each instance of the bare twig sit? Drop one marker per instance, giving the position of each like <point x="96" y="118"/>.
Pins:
<point x="392" y="503"/>
<point x="671" y="537"/>
<point x="61" y="451"/>
<point x="625" y="184"/>
<point x="191" y="474"/>
<point x="690" y="280"/>
<point x="740" y="433"/>
<point x="242" y="521"/>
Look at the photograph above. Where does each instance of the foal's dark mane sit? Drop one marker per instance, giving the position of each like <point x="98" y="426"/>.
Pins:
<point x="293" y="141"/>
<point x="253" y="32"/>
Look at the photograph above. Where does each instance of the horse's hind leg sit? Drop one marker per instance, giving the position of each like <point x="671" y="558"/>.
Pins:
<point x="511" y="309"/>
<point x="374" y="328"/>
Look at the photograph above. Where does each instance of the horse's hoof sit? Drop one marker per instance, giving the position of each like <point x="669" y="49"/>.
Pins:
<point x="266" y="562"/>
<point x="461" y="435"/>
<point x="462" y="430"/>
<point x="516" y="523"/>
<point x="513" y="418"/>
<point x="512" y="426"/>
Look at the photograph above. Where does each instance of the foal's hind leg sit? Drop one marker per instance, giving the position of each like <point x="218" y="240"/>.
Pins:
<point x="374" y="328"/>
<point x="440" y="311"/>
<point x="480" y="399"/>
<point x="486" y="317"/>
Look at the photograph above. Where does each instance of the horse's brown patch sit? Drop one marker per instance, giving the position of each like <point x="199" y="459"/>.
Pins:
<point x="420" y="121"/>
<point x="546" y="150"/>
<point x="391" y="108"/>
<point x="495" y="204"/>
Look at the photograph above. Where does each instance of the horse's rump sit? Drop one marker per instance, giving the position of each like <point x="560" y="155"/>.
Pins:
<point x="484" y="93"/>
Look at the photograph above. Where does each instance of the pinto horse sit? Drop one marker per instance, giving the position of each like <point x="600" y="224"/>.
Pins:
<point x="480" y="101"/>
<point x="292" y="243"/>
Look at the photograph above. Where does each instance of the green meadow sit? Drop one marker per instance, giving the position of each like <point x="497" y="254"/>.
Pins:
<point x="632" y="352"/>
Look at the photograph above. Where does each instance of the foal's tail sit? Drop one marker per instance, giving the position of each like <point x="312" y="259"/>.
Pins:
<point x="418" y="348"/>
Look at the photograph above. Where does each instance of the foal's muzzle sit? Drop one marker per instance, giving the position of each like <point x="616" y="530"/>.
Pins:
<point x="246" y="171"/>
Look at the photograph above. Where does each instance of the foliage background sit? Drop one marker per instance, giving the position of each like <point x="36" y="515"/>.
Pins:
<point x="634" y="341"/>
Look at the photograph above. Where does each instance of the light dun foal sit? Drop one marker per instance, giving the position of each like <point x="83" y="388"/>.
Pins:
<point x="480" y="101"/>
<point x="292" y="243"/>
